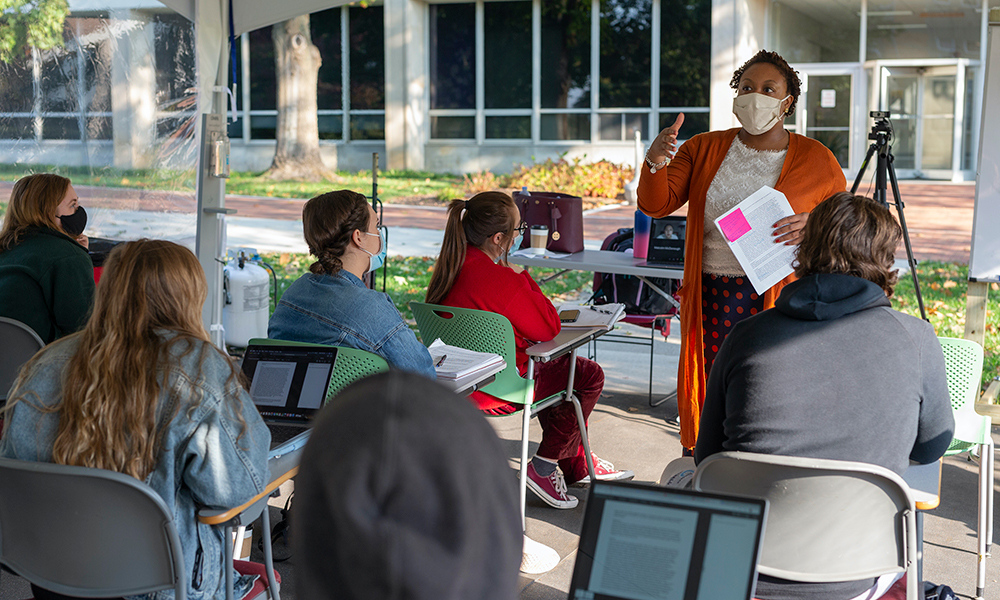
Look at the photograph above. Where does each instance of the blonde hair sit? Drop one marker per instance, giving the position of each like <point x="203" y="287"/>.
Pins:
<point x="485" y="215"/>
<point x="33" y="203"/>
<point x="112" y="384"/>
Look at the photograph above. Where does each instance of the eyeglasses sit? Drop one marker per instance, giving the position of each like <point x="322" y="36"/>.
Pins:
<point x="522" y="227"/>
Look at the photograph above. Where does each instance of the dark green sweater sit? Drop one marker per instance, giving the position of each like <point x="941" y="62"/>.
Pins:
<point x="47" y="283"/>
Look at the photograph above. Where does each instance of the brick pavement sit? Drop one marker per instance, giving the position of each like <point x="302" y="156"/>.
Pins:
<point x="938" y="215"/>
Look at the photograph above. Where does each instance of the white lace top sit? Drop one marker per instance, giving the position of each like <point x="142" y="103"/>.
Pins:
<point x="743" y="171"/>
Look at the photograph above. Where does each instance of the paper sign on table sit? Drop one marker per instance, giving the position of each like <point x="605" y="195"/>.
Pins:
<point x="749" y="231"/>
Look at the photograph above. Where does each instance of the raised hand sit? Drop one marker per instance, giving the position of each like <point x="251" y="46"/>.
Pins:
<point x="664" y="146"/>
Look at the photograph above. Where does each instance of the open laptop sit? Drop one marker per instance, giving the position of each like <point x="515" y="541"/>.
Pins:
<point x="666" y="242"/>
<point x="648" y="542"/>
<point x="288" y="384"/>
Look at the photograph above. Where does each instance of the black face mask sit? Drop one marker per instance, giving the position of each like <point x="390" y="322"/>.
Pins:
<point x="75" y="223"/>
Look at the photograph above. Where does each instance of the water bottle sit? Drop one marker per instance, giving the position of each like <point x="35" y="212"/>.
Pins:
<point x="640" y="240"/>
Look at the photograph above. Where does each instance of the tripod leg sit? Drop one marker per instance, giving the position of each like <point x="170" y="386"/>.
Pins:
<point x="906" y="235"/>
<point x="864" y="166"/>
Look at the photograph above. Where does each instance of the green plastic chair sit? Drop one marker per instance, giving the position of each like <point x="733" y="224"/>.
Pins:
<point x="963" y="361"/>
<point x="351" y="365"/>
<point x="485" y="331"/>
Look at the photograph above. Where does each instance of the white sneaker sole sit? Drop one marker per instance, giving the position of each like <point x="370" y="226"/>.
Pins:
<point x="572" y="502"/>
<point x="616" y="476"/>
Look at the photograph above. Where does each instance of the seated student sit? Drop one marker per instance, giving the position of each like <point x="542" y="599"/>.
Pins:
<point x="471" y="272"/>
<point x="142" y="391"/>
<point x="404" y="492"/>
<point x="832" y="371"/>
<point x="330" y="304"/>
<point x="46" y="275"/>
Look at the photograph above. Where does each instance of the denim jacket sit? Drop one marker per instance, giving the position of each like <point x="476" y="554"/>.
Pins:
<point x="339" y="310"/>
<point x="208" y="457"/>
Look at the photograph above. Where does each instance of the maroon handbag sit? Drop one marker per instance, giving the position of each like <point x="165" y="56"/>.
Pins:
<point x="561" y="213"/>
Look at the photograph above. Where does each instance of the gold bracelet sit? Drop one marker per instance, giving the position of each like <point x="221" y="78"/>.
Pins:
<point x="654" y="167"/>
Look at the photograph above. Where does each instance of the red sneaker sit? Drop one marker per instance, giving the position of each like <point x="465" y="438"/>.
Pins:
<point x="551" y="489"/>
<point x="605" y="471"/>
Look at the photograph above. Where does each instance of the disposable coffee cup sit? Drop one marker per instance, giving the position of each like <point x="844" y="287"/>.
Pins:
<point x="539" y="238"/>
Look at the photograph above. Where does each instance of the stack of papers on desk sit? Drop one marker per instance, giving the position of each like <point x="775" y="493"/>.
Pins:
<point x="460" y="362"/>
<point x="603" y="315"/>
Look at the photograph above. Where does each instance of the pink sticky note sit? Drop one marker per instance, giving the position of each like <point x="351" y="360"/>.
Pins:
<point x="734" y="225"/>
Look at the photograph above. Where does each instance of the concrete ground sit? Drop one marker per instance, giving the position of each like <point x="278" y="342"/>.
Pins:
<point x="624" y="429"/>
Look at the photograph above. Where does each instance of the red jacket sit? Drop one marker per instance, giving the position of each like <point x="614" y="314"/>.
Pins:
<point x="485" y="285"/>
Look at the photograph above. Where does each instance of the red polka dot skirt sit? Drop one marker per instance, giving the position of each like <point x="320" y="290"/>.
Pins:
<point x="725" y="302"/>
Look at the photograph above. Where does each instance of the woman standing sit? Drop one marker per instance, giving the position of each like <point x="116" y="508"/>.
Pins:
<point x="472" y="272"/>
<point x="711" y="173"/>
<point x="46" y="275"/>
<point x="142" y="391"/>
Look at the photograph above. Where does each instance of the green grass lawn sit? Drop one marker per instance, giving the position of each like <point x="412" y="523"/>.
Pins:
<point x="943" y="287"/>
<point x="392" y="184"/>
<point x="407" y="279"/>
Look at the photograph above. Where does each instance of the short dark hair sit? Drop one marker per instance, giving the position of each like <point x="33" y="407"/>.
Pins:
<point x="853" y="235"/>
<point x="328" y="222"/>
<point x="772" y="58"/>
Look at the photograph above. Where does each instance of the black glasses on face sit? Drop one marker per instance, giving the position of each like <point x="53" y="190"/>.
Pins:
<point x="522" y="228"/>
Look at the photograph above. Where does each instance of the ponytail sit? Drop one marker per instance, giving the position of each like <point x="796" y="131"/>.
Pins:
<point x="471" y="222"/>
<point x="452" y="255"/>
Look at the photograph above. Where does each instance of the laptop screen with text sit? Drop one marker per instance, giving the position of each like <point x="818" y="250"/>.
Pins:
<point x="288" y="383"/>
<point x="645" y="542"/>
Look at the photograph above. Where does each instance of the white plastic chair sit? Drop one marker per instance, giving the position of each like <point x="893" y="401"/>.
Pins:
<point x="828" y="520"/>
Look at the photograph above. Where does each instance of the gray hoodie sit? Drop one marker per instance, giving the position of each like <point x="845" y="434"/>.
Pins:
<point x="830" y="372"/>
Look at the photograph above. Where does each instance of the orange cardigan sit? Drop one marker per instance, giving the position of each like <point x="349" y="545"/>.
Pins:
<point x="810" y="174"/>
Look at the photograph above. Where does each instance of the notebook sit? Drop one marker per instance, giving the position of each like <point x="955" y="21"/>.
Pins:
<point x="666" y="242"/>
<point x="288" y="384"/>
<point x="648" y="542"/>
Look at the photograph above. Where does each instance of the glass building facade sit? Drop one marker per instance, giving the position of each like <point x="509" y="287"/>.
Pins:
<point x="487" y="84"/>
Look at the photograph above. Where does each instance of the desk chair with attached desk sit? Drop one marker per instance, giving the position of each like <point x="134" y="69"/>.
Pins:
<point x="485" y="331"/>
<point x="963" y="361"/>
<point x="92" y="533"/>
<point x="828" y="520"/>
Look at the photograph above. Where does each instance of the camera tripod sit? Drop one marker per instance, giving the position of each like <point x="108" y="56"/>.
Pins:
<point x="881" y="135"/>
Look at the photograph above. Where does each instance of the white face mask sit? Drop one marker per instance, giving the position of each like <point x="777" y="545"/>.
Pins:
<point x="758" y="113"/>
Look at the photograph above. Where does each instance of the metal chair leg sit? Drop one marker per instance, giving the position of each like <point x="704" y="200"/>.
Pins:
<point x="984" y="524"/>
<point x="227" y="557"/>
<point x="272" y="582"/>
<point x="581" y="421"/>
<point x="525" y="422"/>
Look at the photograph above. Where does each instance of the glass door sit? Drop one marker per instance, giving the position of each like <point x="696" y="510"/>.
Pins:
<point x="922" y="103"/>
<point x="826" y="112"/>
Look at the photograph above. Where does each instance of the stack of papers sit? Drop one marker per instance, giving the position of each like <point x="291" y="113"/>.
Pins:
<point x="457" y="363"/>
<point x="604" y="315"/>
<point x="749" y="231"/>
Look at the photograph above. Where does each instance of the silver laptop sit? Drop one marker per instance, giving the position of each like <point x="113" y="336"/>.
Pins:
<point x="645" y="542"/>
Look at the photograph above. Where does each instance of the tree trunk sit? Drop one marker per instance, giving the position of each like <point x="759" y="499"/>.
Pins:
<point x="297" y="63"/>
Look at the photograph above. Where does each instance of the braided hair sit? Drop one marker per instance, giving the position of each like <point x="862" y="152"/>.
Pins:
<point x="328" y="222"/>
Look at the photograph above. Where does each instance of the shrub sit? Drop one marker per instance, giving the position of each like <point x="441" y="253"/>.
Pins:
<point x="601" y="179"/>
